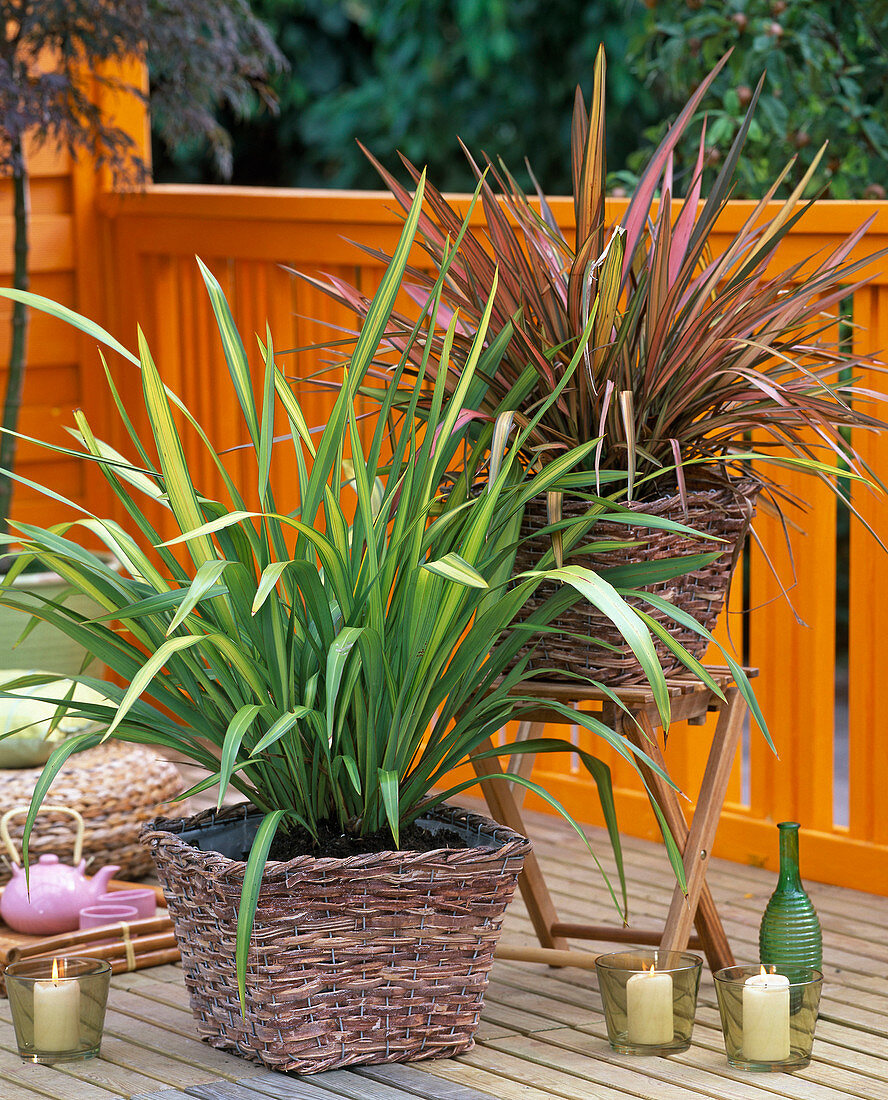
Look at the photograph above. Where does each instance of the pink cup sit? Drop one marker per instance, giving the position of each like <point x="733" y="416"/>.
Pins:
<point x="95" y="916"/>
<point x="143" y="900"/>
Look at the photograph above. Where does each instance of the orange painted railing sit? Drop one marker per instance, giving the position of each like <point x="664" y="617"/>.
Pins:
<point x="129" y="259"/>
<point x="247" y="235"/>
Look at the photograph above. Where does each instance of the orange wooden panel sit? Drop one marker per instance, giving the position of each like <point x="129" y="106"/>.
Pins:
<point x="58" y="384"/>
<point x="796" y="638"/>
<point x="50" y="342"/>
<point x="868" y="639"/>
<point x="51" y="244"/>
<point x="42" y="420"/>
<point x="797" y="658"/>
<point x="58" y="285"/>
<point x="51" y="195"/>
<point x="44" y="158"/>
<point x="123" y="99"/>
<point x="66" y="478"/>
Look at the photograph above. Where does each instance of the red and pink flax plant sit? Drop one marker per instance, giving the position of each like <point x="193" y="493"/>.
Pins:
<point x="691" y="354"/>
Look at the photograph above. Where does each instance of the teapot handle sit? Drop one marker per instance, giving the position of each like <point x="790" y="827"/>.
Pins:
<point x="10" y="846"/>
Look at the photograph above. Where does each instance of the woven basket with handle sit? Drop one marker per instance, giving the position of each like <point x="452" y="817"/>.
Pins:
<point x="724" y="512"/>
<point x="116" y="788"/>
<point x="372" y="958"/>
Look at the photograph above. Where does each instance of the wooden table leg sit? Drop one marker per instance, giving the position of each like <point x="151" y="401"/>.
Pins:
<point x="501" y="803"/>
<point x="704" y="913"/>
<point x="695" y="841"/>
<point x="701" y="834"/>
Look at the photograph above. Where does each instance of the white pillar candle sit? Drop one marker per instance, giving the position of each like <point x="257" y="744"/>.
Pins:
<point x="56" y="1012"/>
<point x="649" y="1008"/>
<point x="766" y="1018"/>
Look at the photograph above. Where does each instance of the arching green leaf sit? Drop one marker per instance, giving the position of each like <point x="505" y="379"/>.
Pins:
<point x="246" y="913"/>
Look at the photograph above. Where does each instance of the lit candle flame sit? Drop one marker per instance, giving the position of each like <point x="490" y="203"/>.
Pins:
<point x="55" y="971"/>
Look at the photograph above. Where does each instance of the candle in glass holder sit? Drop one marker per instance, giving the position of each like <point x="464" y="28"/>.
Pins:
<point x="649" y="1008"/>
<point x="57" y="1011"/>
<point x="766" y="1017"/>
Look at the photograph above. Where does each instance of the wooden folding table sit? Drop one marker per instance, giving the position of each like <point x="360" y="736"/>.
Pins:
<point x="691" y="700"/>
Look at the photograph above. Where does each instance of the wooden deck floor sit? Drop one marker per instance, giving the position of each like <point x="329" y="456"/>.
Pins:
<point x="542" y="1033"/>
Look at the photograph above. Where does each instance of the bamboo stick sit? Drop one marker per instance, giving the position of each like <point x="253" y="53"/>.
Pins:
<point x="142" y="962"/>
<point x="84" y="937"/>
<point x="115" y="950"/>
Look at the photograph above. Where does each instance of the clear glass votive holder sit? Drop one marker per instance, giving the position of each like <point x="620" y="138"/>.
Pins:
<point x="650" y="999"/>
<point x="58" y="1007"/>
<point x="767" y="1016"/>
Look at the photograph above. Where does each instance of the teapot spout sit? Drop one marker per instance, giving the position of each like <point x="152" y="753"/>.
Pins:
<point x="98" y="884"/>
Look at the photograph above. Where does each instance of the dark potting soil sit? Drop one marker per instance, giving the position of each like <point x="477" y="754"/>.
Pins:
<point x="332" y="842"/>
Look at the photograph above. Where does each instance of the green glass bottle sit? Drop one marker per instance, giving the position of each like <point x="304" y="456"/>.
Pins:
<point x="790" y="937"/>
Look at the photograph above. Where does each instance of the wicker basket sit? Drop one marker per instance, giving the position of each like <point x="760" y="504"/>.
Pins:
<point x="373" y="958"/>
<point x="724" y="512"/>
<point x="116" y="787"/>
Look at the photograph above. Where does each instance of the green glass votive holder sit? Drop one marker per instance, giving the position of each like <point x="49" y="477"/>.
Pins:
<point x="58" y="1007"/>
<point x="768" y="1017"/>
<point x="650" y="999"/>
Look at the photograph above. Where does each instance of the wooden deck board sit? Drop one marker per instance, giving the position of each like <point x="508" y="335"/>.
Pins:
<point x="542" y="1032"/>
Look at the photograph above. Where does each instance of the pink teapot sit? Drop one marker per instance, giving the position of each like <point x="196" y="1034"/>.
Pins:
<point x="55" y="893"/>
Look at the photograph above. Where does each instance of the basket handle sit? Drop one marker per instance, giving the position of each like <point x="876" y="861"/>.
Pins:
<point x="10" y="846"/>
